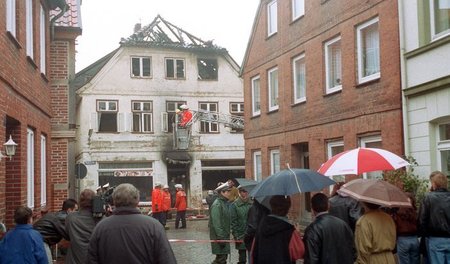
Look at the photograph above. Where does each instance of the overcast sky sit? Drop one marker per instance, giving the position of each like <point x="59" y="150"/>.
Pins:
<point x="227" y="22"/>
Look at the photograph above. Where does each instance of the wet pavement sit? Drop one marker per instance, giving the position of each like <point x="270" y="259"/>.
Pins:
<point x="194" y="252"/>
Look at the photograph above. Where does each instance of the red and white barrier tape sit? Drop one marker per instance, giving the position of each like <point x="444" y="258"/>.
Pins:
<point x="203" y="241"/>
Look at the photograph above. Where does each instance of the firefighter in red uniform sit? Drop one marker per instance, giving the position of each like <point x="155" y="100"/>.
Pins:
<point x="157" y="202"/>
<point x="180" y="204"/>
<point x="185" y="115"/>
<point x="166" y="203"/>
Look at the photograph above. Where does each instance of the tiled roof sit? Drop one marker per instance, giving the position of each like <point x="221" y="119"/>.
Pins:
<point x="161" y="33"/>
<point x="71" y="17"/>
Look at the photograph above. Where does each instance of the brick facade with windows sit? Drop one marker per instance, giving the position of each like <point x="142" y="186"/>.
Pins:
<point x="26" y="102"/>
<point x="302" y="130"/>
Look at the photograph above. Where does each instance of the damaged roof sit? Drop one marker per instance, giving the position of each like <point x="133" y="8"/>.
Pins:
<point x="161" y="33"/>
<point x="158" y="34"/>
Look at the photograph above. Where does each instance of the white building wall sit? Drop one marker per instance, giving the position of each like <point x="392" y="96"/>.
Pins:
<point x="113" y="82"/>
<point x="426" y="109"/>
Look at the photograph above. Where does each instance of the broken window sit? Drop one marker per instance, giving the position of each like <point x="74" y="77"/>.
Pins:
<point x="142" y="116"/>
<point x="207" y="69"/>
<point x="140" y="67"/>
<point x="107" y="116"/>
<point x="175" y="68"/>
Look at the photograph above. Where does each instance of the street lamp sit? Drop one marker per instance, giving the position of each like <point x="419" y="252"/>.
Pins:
<point x="10" y="147"/>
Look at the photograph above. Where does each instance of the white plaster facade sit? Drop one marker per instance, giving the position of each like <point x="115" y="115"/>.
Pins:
<point x="114" y="82"/>
<point x="426" y="83"/>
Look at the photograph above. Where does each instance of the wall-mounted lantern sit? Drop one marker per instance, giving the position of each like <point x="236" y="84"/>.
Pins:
<point x="10" y="147"/>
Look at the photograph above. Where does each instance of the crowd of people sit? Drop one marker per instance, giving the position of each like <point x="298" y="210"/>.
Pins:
<point x="342" y="231"/>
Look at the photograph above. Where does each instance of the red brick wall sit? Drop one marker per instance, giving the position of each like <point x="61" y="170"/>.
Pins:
<point x="357" y="110"/>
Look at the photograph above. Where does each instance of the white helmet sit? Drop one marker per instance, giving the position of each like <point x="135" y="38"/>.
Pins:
<point x="182" y="107"/>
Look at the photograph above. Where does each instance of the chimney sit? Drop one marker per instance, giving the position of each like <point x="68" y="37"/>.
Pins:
<point x="137" y="27"/>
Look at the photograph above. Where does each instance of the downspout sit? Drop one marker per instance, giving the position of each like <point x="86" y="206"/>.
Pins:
<point x="63" y="6"/>
<point x="404" y="78"/>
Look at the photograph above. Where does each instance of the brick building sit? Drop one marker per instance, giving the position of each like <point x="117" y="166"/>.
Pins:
<point x="320" y="77"/>
<point x="34" y="76"/>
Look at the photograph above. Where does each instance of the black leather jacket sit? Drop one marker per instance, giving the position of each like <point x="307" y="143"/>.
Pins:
<point x="52" y="227"/>
<point x="329" y="240"/>
<point x="434" y="214"/>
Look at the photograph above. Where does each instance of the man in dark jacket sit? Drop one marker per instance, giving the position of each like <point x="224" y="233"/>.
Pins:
<point x="434" y="219"/>
<point x="79" y="227"/>
<point x="127" y="236"/>
<point x="256" y="213"/>
<point x="345" y="208"/>
<point x="52" y="226"/>
<point x="274" y="235"/>
<point x="328" y="239"/>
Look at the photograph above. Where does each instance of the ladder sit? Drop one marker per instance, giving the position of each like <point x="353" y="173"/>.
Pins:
<point x="182" y="135"/>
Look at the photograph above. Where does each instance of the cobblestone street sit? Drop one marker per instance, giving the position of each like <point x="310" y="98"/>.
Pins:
<point x="191" y="252"/>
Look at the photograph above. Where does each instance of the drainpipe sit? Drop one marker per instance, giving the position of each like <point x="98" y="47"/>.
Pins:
<point x="63" y="6"/>
<point x="404" y="78"/>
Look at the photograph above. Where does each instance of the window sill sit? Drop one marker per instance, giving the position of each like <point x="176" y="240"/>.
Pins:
<point x="294" y="20"/>
<point x="142" y="133"/>
<point x="210" y="133"/>
<point x="430" y="46"/>
<point x="141" y="77"/>
<point x="207" y="80"/>
<point x="367" y="83"/>
<point x="255" y="116"/>
<point x="31" y="61"/>
<point x="13" y="39"/>
<point x="332" y="93"/>
<point x="175" y="79"/>
<point x="44" y="77"/>
<point x="272" y="111"/>
<point x="300" y="102"/>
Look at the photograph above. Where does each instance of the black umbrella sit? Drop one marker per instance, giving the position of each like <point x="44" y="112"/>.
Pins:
<point x="291" y="181"/>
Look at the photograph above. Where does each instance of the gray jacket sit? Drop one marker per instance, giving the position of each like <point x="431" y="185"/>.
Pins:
<point x="127" y="236"/>
<point x="79" y="227"/>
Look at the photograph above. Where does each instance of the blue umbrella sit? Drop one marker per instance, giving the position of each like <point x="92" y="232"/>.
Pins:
<point x="291" y="181"/>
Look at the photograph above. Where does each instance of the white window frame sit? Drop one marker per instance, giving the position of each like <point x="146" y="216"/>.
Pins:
<point x="30" y="168"/>
<point x="436" y="35"/>
<point x="361" y="54"/>
<point x="239" y="107"/>
<point x="363" y="141"/>
<point x="109" y="109"/>
<point x="143" y="114"/>
<point x="272" y="18"/>
<point x="298" y="9"/>
<point x="141" y="67"/>
<point x="29" y="28"/>
<point x="441" y="145"/>
<point x="11" y="17"/>
<point x="274" y="161"/>
<point x="329" y="88"/>
<point x="43" y="170"/>
<point x="330" y="146"/>
<point x="256" y="96"/>
<point x="299" y="91"/>
<point x="273" y="88"/>
<point x="175" y="72"/>
<point x="257" y="166"/>
<point x="42" y="40"/>
<point x="209" y="125"/>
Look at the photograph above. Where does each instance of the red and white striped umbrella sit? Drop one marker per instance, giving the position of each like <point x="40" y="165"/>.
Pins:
<point x="361" y="160"/>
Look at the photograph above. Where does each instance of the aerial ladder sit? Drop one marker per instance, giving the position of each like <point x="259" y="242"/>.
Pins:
<point x="182" y="135"/>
